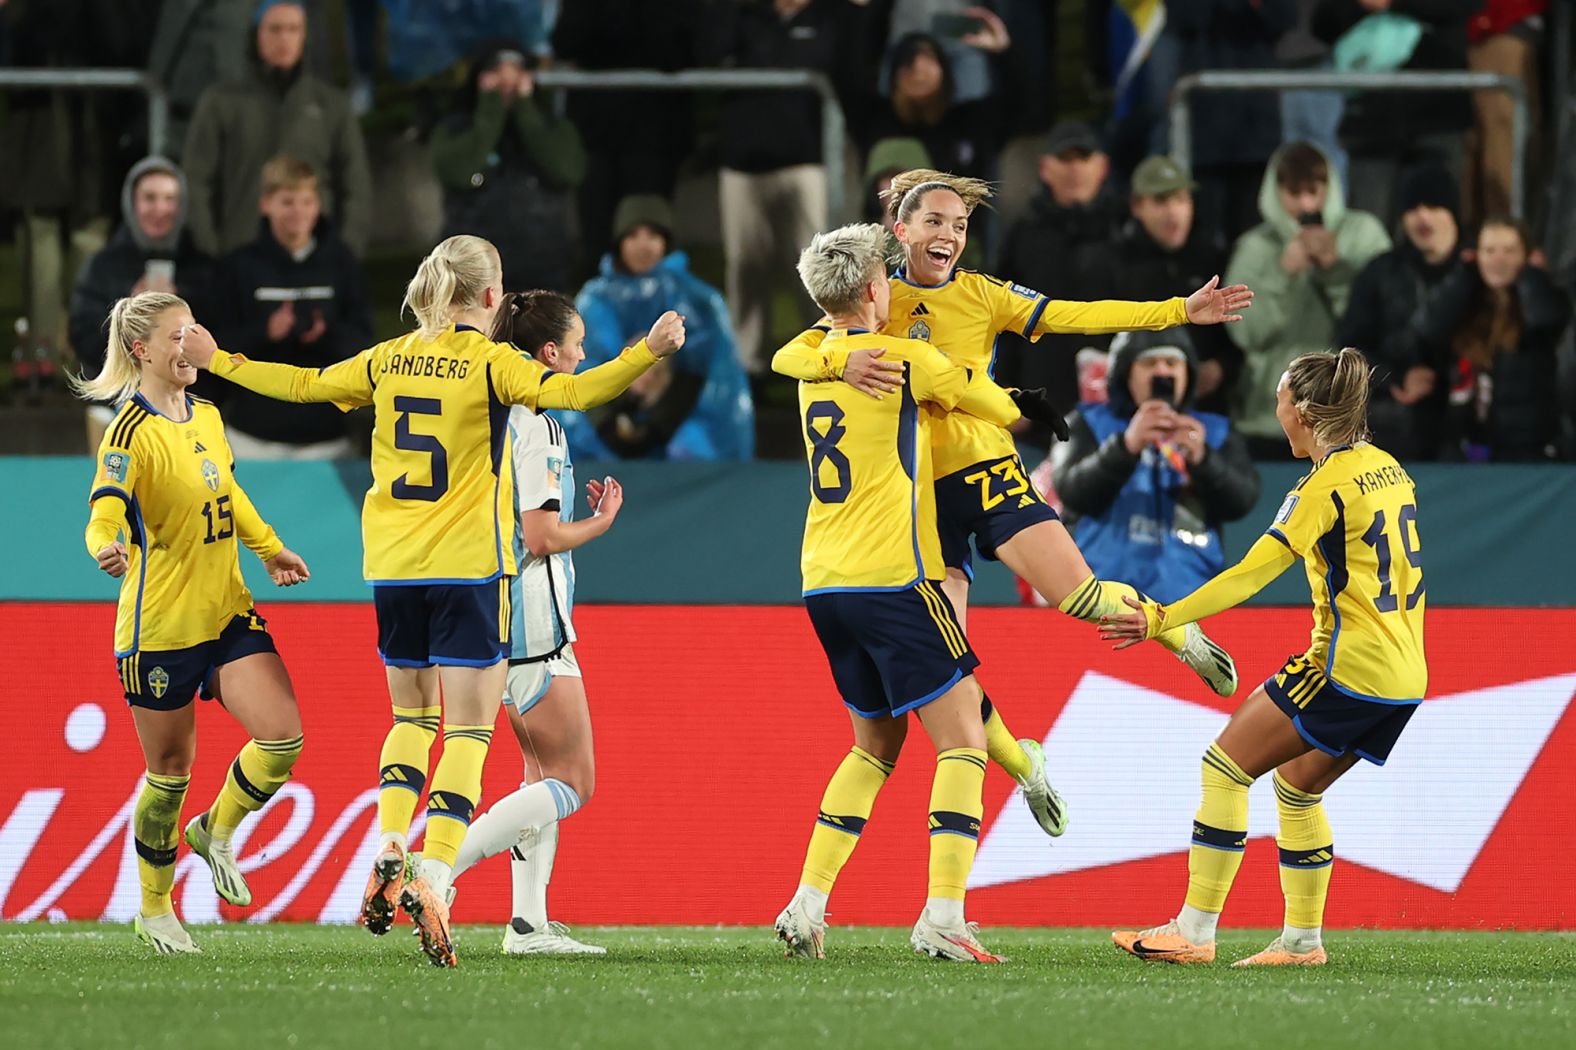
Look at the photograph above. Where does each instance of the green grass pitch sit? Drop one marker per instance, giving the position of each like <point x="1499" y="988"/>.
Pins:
<point x="262" y="988"/>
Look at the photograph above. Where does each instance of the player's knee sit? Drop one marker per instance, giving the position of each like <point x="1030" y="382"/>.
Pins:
<point x="173" y="761"/>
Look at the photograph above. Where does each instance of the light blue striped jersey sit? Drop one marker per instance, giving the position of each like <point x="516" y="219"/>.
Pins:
<point x="543" y="594"/>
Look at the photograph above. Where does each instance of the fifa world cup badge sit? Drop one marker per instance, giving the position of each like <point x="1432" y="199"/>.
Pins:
<point x="115" y="464"/>
<point x="919" y="330"/>
<point x="210" y="473"/>
<point x="158" y="681"/>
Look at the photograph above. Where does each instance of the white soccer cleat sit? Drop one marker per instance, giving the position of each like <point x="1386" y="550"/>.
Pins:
<point x="1046" y="805"/>
<point x="165" y="933"/>
<point x="1209" y="661"/>
<point x="521" y="938"/>
<point x="220" y="858"/>
<point x="804" y="936"/>
<point x="955" y="943"/>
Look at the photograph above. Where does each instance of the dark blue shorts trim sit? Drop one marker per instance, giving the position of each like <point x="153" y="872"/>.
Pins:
<point x="988" y="502"/>
<point x="1332" y="720"/>
<point x="459" y="625"/>
<point x="168" y="679"/>
<point x="891" y="652"/>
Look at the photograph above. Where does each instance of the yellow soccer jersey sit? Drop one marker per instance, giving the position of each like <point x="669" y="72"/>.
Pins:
<point x="1353" y="521"/>
<point x="962" y="319"/>
<point x="170" y="486"/>
<point x="871" y="525"/>
<point x="441" y="505"/>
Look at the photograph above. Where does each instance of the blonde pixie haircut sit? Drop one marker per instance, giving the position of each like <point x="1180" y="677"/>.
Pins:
<point x="839" y="263"/>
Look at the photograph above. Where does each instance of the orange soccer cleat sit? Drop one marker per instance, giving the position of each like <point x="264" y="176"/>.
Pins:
<point x="431" y="917"/>
<point x="1277" y="954"/>
<point x="383" y="886"/>
<point x="1163" y="944"/>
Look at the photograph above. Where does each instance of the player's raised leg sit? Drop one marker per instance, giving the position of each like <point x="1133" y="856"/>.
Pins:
<point x="1257" y="739"/>
<point x="1046" y="556"/>
<point x="169" y="742"/>
<point x="256" y="690"/>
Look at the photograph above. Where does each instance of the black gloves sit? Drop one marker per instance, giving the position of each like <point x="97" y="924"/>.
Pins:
<point x="1036" y="407"/>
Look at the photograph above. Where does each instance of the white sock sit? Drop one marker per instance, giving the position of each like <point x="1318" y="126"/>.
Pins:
<point x="1300" y="941"/>
<point x="532" y="806"/>
<point x="391" y="838"/>
<point x="530" y="870"/>
<point x="944" y="911"/>
<point x="814" y="902"/>
<point x="1197" y="926"/>
<point x="437" y="874"/>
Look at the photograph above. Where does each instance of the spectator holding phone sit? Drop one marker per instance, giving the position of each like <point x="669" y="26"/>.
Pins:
<point x="1300" y="262"/>
<point x="1146" y="481"/>
<point x="151" y="252"/>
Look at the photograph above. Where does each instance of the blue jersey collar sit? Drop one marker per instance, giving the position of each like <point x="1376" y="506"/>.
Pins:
<point x="901" y="275"/>
<point x="145" y="403"/>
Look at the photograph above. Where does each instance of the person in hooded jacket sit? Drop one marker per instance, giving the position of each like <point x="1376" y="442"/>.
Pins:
<point x="1146" y="480"/>
<point x="508" y="166"/>
<point x="696" y="409"/>
<point x="152" y="251"/>
<point x="1300" y="262"/>
<point x="295" y="295"/>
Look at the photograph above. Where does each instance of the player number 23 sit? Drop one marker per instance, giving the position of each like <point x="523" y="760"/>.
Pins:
<point x="998" y="482"/>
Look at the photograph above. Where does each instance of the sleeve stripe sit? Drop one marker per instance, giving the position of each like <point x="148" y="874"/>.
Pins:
<point x="110" y="490"/>
<point x="1034" y="318"/>
<point x="1278" y="534"/>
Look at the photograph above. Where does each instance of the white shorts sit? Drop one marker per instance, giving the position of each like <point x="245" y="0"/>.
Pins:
<point x="527" y="683"/>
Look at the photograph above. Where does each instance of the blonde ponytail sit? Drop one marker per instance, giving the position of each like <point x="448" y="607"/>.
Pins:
<point x="453" y="276"/>
<point x="908" y="189"/>
<point x="131" y="320"/>
<point x="1330" y="391"/>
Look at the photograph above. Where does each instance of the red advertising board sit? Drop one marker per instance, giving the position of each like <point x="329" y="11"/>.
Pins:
<point x="716" y="728"/>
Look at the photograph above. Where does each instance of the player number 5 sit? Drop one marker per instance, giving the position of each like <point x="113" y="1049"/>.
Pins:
<point x="407" y="440"/>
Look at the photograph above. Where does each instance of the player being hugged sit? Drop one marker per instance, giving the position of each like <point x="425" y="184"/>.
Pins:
<point x="434" y="526"/>
<point x="1353" y="522"/>
<point x="165" y="479"/>
<point x="546" y="695"/>
<point x="982" y="491"/>
<point x="872" y="568"/>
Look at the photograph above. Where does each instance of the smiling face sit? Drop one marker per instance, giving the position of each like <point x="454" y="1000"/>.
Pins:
<point x="156" y="204"/>
<point x="1501" y="254"/>
<point x="161" y="355"/>
<point x="934" y="237"/>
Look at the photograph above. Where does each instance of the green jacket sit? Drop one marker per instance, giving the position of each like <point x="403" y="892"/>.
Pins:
<point x="238" y="127"/>
<point x="1291" y="314"/>
<point x="463" y="150"/>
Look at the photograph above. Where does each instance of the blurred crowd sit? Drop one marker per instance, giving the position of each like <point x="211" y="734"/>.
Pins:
<point x="1376" y="220"/>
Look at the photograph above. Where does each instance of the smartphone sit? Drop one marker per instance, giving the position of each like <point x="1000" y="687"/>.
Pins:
<point x="159" y="272"/>
<point x="1163" y="388"/>
<point x="955" y="27"/>
<point x="1310" y="218"/>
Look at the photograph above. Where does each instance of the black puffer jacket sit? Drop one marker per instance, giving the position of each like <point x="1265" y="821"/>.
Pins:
<point x="1514" y="408"/>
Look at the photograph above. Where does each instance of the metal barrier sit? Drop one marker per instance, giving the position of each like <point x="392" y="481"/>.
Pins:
<point x="1316" y="80"/>
<point x="832" y="124"/>
<point x="102" y="80"/>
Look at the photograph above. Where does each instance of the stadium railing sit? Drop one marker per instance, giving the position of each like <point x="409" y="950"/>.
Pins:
<point x="1315" y="80"/>
<point x="102" y="80"/>
<point x="832" y="123"/>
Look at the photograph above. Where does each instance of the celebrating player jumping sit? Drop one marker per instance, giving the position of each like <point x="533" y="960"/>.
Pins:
<point x="1353" y="522"/>
<point x="982" y="491"/>
<point x="434" y="526"/>
<point x="166" y="480"/>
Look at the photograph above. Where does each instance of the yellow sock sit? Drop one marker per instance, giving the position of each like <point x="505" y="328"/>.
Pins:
<point x="402" y="767"/>
<point x="845" y="807"/>
<point x="1095" y="598"/>
<point x="257" y="773"/>
<point x="155" y="830"/>
<point x="1220" y="832"/>
<point x="956" y="807"/>
<point x="456" y="789"/>
<point x="1307" y="854"/>
<point x="1002" y="747"/>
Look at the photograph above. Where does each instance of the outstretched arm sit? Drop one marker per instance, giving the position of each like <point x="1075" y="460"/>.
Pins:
<point x="347" y="384"/>
<point x="1265" y="560"/>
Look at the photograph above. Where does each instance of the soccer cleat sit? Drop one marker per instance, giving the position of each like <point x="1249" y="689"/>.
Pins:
<point x="1046" y="805"/>
<point x="220" y="858"/>
<point x="804" y="937"/>
<point x="521" y="938"/>
<point x="1163" y="944"/>
<point x="383" y="886"/>
<point x="431" y="917"/>
<point x="957" y="944"/>
<point x="1209" y="661"/>
<point x="1277" y="954"/>
<point x="165" y="933"/>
